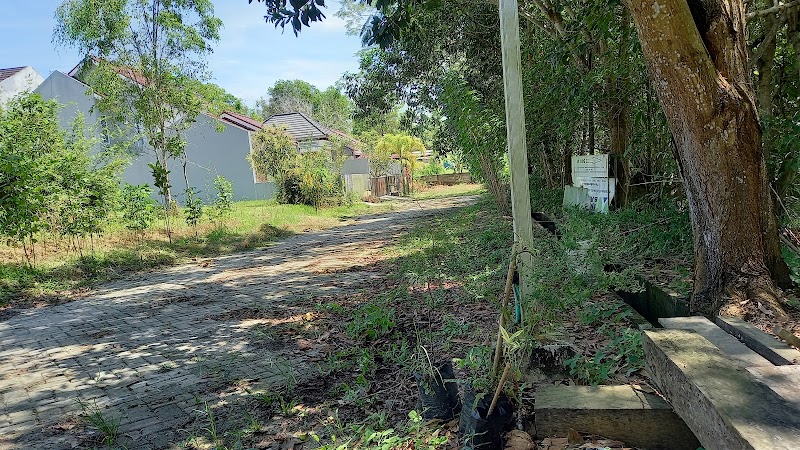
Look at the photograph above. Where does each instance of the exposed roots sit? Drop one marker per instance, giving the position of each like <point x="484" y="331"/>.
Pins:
<point x="761" y="291"/>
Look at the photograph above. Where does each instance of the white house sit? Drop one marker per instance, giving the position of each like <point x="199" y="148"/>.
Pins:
<point x="16" y="80"/>
<point x="214" y="146"/>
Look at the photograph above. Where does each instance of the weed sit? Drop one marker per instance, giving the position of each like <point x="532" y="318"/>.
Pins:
<point x="108" y="426"/>
<point x="167" y="367"/>
<point x="371" y="321"/>
<point x="287" y="407"/>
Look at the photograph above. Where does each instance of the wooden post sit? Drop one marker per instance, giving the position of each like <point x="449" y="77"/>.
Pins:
<point x="515" y="131"/>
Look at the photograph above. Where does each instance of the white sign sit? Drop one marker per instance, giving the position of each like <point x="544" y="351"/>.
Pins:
<point x="601" y="192"/>
<point x="589" y="166"/>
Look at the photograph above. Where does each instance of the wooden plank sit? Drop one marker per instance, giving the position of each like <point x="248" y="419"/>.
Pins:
<point x="728" y="344"/>
<point x="722" y="403"/>
<point x="773" y="350"/>
<point x="515" y="132"/>
<point x="624" y="413"/>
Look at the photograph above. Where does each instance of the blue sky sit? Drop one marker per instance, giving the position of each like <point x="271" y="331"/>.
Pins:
<point x="250" y="56"/>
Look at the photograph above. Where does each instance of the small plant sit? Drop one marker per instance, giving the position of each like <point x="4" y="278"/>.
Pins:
<point x="108" y="426"/>
<point x="138" y="208"/>
<point x="371" y="321"/>
<point x="193" y="210"/>
<point x="212" y="426"/>
<point x="288" y="407"/>
<point x="167" y="367"/>
<point x="161" y="181"/>
<point x="223" y="201"/>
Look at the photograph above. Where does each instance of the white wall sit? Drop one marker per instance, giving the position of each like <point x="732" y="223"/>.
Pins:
<point x="26" y="79"/>
<point x="210" y="152"/>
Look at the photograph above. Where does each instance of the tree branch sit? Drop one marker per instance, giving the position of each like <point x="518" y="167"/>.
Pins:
<point x="774" y="9"/>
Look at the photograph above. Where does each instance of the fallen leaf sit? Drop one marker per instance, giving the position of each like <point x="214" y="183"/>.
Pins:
<point x="765" y="310"/>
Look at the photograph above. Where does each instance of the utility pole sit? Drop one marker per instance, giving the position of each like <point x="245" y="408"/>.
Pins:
<point x="517" y="148"/>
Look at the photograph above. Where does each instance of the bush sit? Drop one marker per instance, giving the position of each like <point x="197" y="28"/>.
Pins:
<point x="311" y="182"/>
<point x="223" y="201"/>
<point x="138" y="207"/>
<point x="193" y="209"/>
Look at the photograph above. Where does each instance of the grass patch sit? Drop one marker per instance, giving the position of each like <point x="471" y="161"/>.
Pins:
<point x="449" y="191"/>
<point x="62" y="265"/>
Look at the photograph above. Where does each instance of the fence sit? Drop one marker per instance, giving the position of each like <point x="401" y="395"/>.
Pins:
<point x="387" y="185"/>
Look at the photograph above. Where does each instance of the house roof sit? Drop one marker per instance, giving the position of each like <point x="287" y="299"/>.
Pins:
<point x="7" y="73"/>
<point x="300" y="127"/>
<point x="303" y="128"/>
<point x="241" y="120"/>
<point x="126" y="72"/>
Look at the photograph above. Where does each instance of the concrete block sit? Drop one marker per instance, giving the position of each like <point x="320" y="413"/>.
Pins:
<point x="623" y="413"/>
<point x="773" y="350"/>
<point x="783" y="380"/>
<point x="717" y="336"/>
<point x="722" y="403"/>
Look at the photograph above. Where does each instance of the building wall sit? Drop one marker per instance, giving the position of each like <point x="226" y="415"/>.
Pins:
<point x="212" y="149"/>
<point x="26" y="79"/>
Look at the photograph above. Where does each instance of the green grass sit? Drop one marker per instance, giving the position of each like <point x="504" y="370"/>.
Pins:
<point x="252" y="224"/>
<point x="449" y="191"/>
<point x="469" y="247"/>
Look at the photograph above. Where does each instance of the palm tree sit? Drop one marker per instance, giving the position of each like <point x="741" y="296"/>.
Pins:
<point x="404" y="147"/>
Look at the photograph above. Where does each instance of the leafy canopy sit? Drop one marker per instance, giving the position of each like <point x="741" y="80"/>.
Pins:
<point x="329" y="107"/>
<point x="273" y="152"/>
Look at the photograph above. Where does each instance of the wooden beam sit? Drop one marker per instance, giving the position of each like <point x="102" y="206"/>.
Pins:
<point x="517" y="148"/>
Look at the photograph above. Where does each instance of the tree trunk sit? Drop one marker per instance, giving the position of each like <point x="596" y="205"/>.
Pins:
<point x="619" y="125"/>
<point x="697" y="59"/>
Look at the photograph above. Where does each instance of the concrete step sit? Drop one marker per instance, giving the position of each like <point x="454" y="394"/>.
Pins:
<point x="717" y="336"/>
<point x="783" y="380"/>
<point x="777" y="352"/>
<point x="625" y="413"/>
<point x="721" y="402"/>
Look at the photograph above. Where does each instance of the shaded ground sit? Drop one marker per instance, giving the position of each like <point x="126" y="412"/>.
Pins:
<point x="160" y="353"/>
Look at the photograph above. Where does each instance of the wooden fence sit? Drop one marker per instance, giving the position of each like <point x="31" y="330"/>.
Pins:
<point x="387" y="185"/>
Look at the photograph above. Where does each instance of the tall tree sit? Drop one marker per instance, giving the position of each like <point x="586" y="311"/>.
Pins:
<point x="159" y="48"/>
<point x="702" y="77"/>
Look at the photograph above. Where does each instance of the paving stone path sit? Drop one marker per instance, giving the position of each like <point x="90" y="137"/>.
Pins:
<point x="146" y="349"/>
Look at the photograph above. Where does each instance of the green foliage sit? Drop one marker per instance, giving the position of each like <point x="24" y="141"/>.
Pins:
<point x="407" y="148"/>
<point x="435" y="167"/>
<point x="223" y="201"/>
<point x="371" y="321"/>
<point x="478" y="362"/>
<point x="108" y="426"/>
<point x="274" y="152"/>
<point x="311" y="181"/>
<point x="144" y="57"/>
<point x="330" y="107"/>
<point x="48" y="180"/>
<point x="217" y="100"/>
<point x="193" y="209"/>
<point x="138" y="207"/>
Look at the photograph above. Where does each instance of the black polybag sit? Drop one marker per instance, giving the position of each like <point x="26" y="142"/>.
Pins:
<point x="475" y="430"/>
<point x="438" y="393"/>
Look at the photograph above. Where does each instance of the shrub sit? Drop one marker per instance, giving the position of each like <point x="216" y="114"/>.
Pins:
<point x="193" y="209"/>
<point x="223" y="201"/>
<point x="311" y="182"/>
<point x="138" y="208"/>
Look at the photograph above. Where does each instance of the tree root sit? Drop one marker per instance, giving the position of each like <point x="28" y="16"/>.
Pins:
<point x="759" y="290"/>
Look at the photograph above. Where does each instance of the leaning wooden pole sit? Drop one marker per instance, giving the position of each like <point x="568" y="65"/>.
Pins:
<point x="517" y="148"/>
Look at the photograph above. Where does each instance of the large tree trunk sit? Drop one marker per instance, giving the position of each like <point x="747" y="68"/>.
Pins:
<point x="697" y="59"/>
